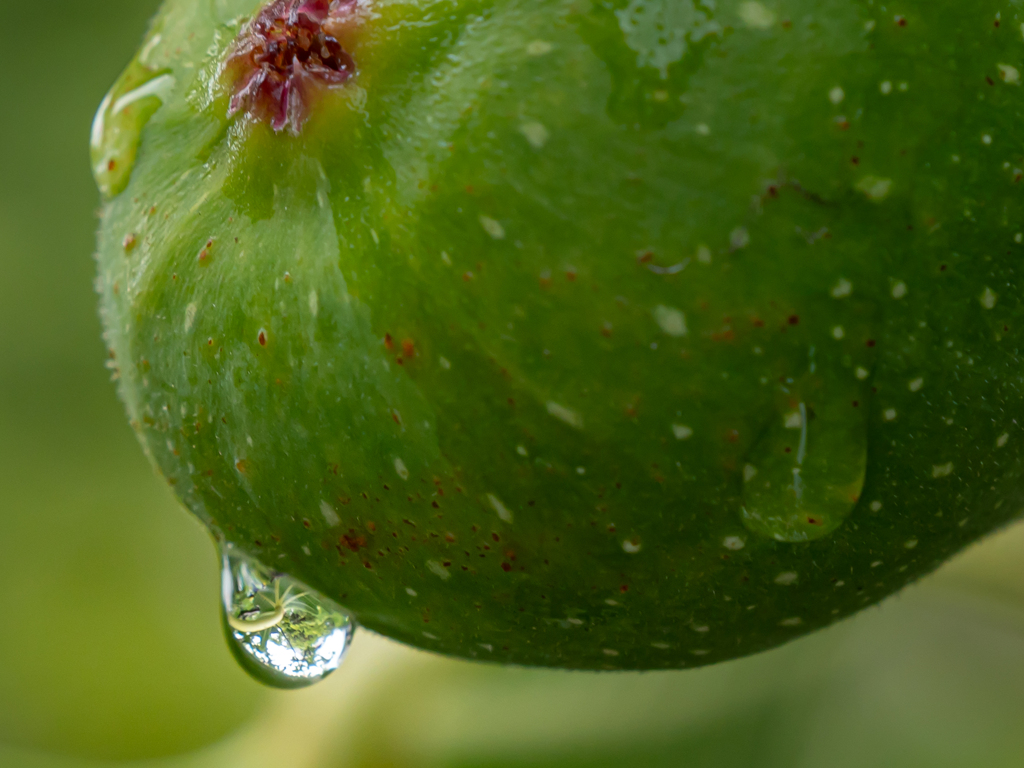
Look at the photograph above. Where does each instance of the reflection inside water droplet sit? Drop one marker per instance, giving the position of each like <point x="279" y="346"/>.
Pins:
<point x="282" y="632"/>
<point x="805" y="472"/>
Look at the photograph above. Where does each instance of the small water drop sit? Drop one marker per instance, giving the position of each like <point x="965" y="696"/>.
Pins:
<point x="283" y="633"/>
<point x="809" y="463"/>
<point x="117" y="127"/>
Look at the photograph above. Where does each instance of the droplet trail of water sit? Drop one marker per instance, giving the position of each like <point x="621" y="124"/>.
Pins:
<point x="283" y="633"/>
<point x="804" y="474"/>
<point x="117" y="127"/>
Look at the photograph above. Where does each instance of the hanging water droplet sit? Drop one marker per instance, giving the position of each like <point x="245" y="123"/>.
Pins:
<point x="805" y="472"/>
<point x="282" y="632"/>
<point x="117" y="127"/>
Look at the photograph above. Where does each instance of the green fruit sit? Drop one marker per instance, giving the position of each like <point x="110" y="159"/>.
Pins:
<point x="580" y="333"/>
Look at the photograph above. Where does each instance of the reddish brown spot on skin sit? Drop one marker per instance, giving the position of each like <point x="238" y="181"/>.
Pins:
<point x="506" y="567"/>
<point x="856" y="404"/>
<point x="793" y="319"/>
<point x="262" y="338"/>
<point x="111" y="165"/>
<point x="352" y="542"/>
<point x="242" y="466"/>
<point x="855" y="160"/>
<point x="128" y="243"/>
<point x="871" y="342"/>
<point x="408" y="347"/>
<point x="371" y="526"/>
<point x="902" y="22"/>
<point x="606" y="330"/>
<point x="286" y="57"/>
<point x="467" y="276"/>
<point x="732" y="435"/>
<point x="787" y="24"/>
<point x="624" y="588"/>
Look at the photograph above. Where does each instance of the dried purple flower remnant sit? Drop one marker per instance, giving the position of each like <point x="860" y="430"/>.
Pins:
<point x="285" y="56"/>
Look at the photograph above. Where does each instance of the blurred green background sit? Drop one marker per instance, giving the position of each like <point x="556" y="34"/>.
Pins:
<point x="110" y="644"/>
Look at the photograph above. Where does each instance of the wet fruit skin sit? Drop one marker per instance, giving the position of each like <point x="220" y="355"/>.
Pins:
<point x="499" y="349"/>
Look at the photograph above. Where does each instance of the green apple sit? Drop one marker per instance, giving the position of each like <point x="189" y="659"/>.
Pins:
<point x="578" y="333"/>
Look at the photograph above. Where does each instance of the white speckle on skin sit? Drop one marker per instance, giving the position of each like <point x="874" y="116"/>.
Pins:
<point x="794" y="420"/>
<point x="910" y="543"/>
<point x="986" y="139"/>
<point x="875" y="506"/>
<point x="438" y="570"/>
<point x="492" y="227"/>
<point x="375" y="236"/>
<point x="306" y="551"/>
<point x="538" y="48"/>
<point x="535" y="133"/>
<point x="874" y="188"/>
<point x="1009" y="74"/>
<point x="504" y="513"/>
<point x="885" y="87"/>
<point x="661" y="646"/>
<point x="861" y="373"/>
<point x="836" y="95"/>
<point x="702" y="129"/>
<point x="314" y="303"/>
<point x="838" y="332"/>
<point x="401" y="469"/>
<point x="899" y="290"/>
<point x="702" y="628"/>
<point x="756" y="16"/>
<point x="876" y="563"/>
<point x="248" y="439"/>
<point x="190" y="316"/>
<point x="486" y="646"/>
<point x="733" y="542"/>
<point x="795" y="621"/>
<point x="611" y="602"/>
<point x="915" y="384"/>
<point x="446" y="258"/>
<point x="521" y="450"/>
<point x="703" y="254"/>
<point x="581" y="470"/>
<point x="786" y="578"/>
<point x="700" y="652"/>
<point x="429" y="636"/>
<point x="1002" y="439"/>
<point x="670" y="320"/>
<point x="739" y="238"/>
<point x="987" y="298"/>
<point x="411" y="592"/>
<point x="840" y="583"/>
<point x="631" y="546"/>
<point x="330" y="516"/>
<point x="842" y="289"/>
<point x="564" y="414"/>
<point x="682" y="432"/>
<point x="609" y="652"/>
<point x="942" y="470"/>
<point x="903" y="86"/>
<point x="443" y="361"/>
<point x="749" y="472"/>
<point x="889" y="414"/>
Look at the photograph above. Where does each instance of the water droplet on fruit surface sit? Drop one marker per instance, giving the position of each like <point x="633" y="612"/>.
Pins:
<point x="117" y="127"/>
<point x="809" y="464"/>
<point x="283" y="633"/>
